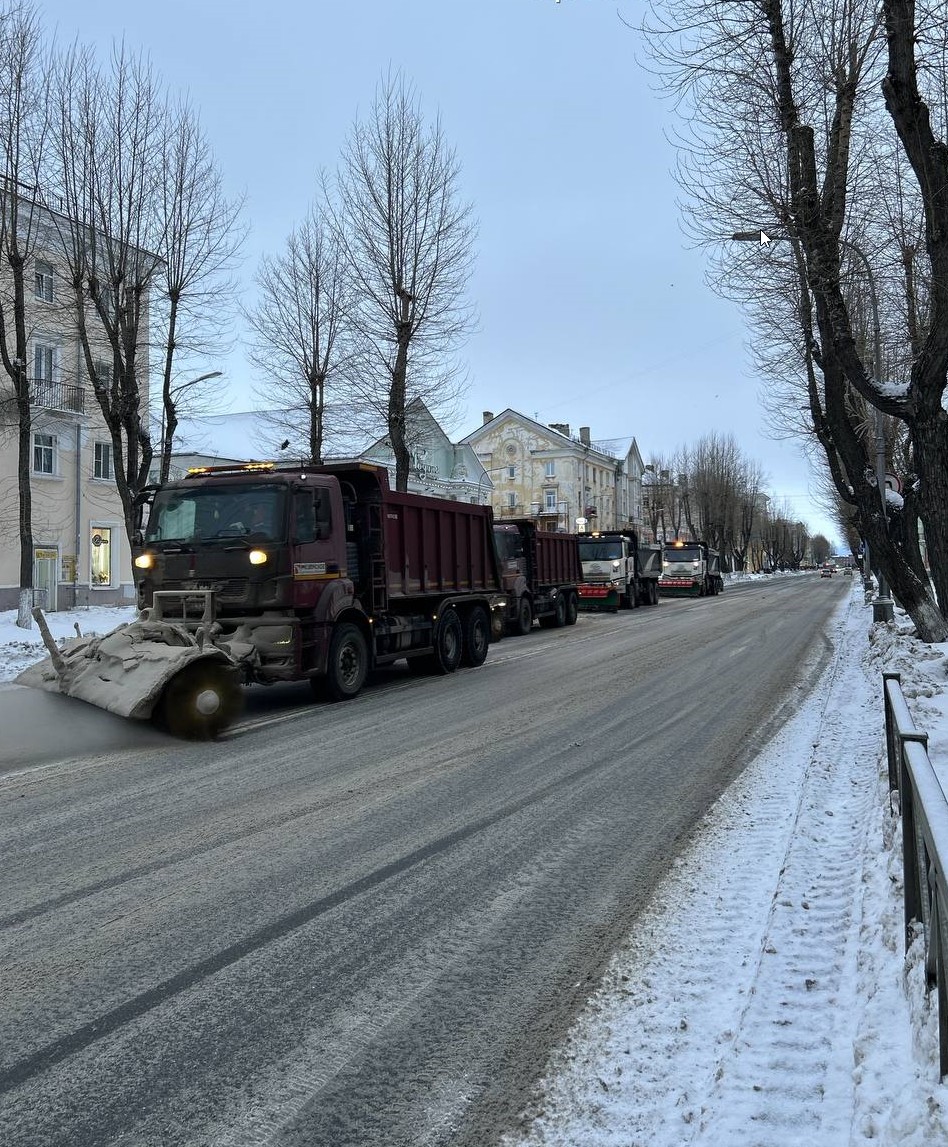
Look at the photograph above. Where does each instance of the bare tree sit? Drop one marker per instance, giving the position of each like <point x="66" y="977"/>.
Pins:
<point x="109" y="146"/>
<point x="780" y="97"/>
<point x="408" y="240"/>
<point x="199" y="239"/>
<point x="299" y="323"/>
<point x="23" y="57"/>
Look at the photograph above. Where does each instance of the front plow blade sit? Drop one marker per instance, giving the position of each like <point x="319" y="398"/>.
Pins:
<point x="144" y="669"/>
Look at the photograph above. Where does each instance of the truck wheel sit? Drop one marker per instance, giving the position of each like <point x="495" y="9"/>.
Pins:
<point x="476" y="637"/>
<point x="200" y="701"/>
<point x="524" y="619"/>
<point x="348" y="663"/>
<point x="559" y="611"/>
<point x="572" y="608"/>
<point x="448" y="643"/>
<point x="653" y="593"/>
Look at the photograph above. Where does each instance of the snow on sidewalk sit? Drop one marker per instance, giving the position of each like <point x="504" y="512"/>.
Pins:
<point x="762" y="1000"/>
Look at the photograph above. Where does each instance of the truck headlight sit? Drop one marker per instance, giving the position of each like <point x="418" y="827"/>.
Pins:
<point x="257" y="557"/>
<point x="144" y="561"/>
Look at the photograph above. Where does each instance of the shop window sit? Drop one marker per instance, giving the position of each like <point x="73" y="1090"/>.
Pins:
<point x="101" y="551"/>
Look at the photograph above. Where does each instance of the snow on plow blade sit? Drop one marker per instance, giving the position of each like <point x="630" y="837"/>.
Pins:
<point x="144" y="669"/>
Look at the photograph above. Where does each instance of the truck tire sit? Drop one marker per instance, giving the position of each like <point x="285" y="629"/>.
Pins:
<point x="523" y="622"/>
<point x="572" y="607"/>
<point x="476" y="637"/>
<point x="448" y="642"/>
<point x="200" y="702"/>
<point x="348" y="664"/>
<point x="556" y="619"/>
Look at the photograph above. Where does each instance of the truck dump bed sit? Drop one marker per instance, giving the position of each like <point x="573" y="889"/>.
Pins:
<point x="552" y="559"/>
<point x="436" y="546"/>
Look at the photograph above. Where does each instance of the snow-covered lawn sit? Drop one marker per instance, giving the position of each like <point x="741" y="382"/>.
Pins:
<point x="22" y="647"/>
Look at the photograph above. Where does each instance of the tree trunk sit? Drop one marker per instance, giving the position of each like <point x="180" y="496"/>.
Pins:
<point x="931" y="459"/>
<point x="396" y="397"/>
<point x="24" y="618"/>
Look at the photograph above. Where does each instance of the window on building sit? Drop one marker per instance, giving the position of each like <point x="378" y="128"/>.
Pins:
<point x="103" y="372"/>
<point x="511" y="472"/>
<point x="511" y="501"/>
<point x="45" y="361"/>
<point x="551" y="469"/>
<point x="44" y="454"/>
<point x="102" y="460"/>
<point x="44" y="281"/>
<point x="551" y="501"/>
<point x="101" y="550"/>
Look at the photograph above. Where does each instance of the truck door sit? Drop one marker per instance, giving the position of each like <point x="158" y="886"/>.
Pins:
<point x="318" y="543"/>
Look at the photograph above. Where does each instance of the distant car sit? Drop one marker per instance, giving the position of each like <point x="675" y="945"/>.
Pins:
<point x="826" y="571"/>
<point x="848" y="571"/>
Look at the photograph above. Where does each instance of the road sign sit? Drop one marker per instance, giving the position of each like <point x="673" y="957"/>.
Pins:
<point x="893" y="482"/>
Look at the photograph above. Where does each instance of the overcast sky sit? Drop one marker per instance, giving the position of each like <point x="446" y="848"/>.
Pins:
<point x="592" y="305"/>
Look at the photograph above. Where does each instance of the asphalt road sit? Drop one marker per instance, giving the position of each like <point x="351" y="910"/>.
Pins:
<point x="365" y="924"/>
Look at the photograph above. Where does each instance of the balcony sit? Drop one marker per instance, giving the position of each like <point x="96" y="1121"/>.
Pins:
<point x="63" y="396"/>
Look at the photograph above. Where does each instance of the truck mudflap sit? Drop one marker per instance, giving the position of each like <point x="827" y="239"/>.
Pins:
<point x="593" y="597"/>
<point x="145" y="669"/>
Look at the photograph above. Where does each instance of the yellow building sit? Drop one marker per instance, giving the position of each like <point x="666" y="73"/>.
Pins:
<point x="566" y="482"/>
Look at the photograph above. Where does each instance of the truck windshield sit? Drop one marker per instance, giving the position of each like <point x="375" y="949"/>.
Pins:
<point x="683" y="554"/>
<point x="599" y="551"/>
<point x="210" y="513"/>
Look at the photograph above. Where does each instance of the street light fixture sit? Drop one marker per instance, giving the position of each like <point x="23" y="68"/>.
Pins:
<point x="882" y="608"/>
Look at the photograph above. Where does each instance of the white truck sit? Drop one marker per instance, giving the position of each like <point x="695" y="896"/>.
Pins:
<point x="618" y="570"/>
<point x="692" y="569"/>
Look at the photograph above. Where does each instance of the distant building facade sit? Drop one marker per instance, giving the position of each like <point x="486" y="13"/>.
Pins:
<point x="439" y="467"/>
<point x="566" y="482"/>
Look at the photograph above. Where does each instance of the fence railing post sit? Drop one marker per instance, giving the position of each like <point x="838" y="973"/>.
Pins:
<point x="890" y="746"/>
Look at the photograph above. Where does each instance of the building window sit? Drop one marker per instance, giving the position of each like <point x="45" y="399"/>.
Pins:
<point x="101" y="550"/>
<point x="45" y="362"/>
<point x="102" y="463"/>
<point x="551" y="501"/>
<point x="103" y="373"/>
<point x="44" y="282"/>
<point x="551" y="469"/>
<point x="44" y="454"/>
<point x="511" y="472"/>
<point x="511" y="501"/>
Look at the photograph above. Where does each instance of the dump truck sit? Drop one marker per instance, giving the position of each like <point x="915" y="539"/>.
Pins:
<point x="619" y="571"/>
<point x="265" y="573"/>
<point x="692" y="569"/>
<point x="541" y="572"/>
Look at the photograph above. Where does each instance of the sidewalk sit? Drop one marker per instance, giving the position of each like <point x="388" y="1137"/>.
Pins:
<point x="764" y="999"/>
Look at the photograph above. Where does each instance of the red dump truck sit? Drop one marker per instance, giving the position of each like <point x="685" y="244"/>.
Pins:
<point x="314" y="572"/>
<point x="541" y="572"/>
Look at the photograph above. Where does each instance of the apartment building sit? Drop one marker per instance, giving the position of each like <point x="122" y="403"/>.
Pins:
<point x="566" y="482"/>
<point x="80" y="548"/>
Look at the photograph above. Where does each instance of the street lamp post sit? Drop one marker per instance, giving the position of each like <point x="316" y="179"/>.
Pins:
<point x="882" y="608"/>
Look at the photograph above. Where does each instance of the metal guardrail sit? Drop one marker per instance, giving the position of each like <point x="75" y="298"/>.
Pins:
<point x="924" y="809"/>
